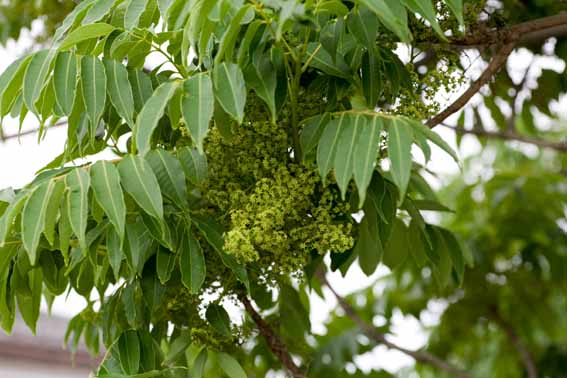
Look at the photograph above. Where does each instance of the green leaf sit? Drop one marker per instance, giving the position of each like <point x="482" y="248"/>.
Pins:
<point x="35" y="77"/>
<point x="230" y="366"/>
<point x="365" y="154"/>
<point x="140" y="182"/>
<point x="65" y="81"/>
<point x="150" y="115"/>
<point x="33" y="218"/>
<point x="371" y="76"/>
<point x="194" y="164"/>
<point x="369" y="247"/>
<point x="86" y="32"/>
<point x="311" y="133"/>
<point x="141" y="87"/>
<point x="93" y="79"/>
<point x="322" y="60"/>
<point x="294" y="316"/>
<point x="226" y="45"/>
<point x="262" y="78"/>
<point x="456" y="7"/>
<point x="343" y="162"/>
<point x="199" y="365"/>
<point x="230" y="89"/>
<point x="363" y="24"/>
<point x="129" y="352"/>
<point x="163" y="6"/>
<point x="198" y="107"/>
<point x="169" y="174"/>
<point x="29" y="305"/>
<point x="98" y="11"/>
<point x="52" y="213"/>
<point x="192" y="263"/>
<point x="105" y="181"/>
<point x="426" y="9"/>
<point x="392" y="14"/>
<point x="397" y="248"/>
<point x="114" y="249"/>
<point x="165" y="265"/>
<point x="119" y="90"/>
<point x="434" y="137"/>
<point x="11" y="83"/>
<point x="219" y="319"/>
<point x="78" y="183"/>
<point x="134" y="11"/>
<point x="328" y="145"/>
<point x="400" y="139"/>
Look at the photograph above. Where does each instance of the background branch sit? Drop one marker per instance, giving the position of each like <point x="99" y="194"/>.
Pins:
<point x="525" y="355"/>
<point x="273" y="340"/>
<point x="558" y="146"/>
<point x="380" y="338"/>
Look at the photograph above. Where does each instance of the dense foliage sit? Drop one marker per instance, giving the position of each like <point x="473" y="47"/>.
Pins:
<point x="253" y="140"/>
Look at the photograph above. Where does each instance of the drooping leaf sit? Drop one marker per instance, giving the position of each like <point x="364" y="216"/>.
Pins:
<point x="262" y="78"/>
<point x="33" y="218"/>
<point x="369" y="247"/>
<point x="199" y="365"/>
<point x="397" y="248"/>
<point x="311" y="133"/>
<point x="371" y="76"/>
<point x="105" y="181"/>
<point x="86" y="32"/>
<point x="194" y="164"/>
<point x="35" y="77"/>
<point x="140" y="182"/>
<point x="93" y="82"/>
<point x="98" y="11"/>
<point x="169" y="174"/>
<point x="114" y="249"/>
<point x="29" y="305"/>
<point x="434" y="137"/>
<point x="400" y="139"/>
<point x="65" y="81"/>
<point x="230" y="89"/>
<point x="134" y="11"/>
<point x="198" y="107"/>
<point x="150" y="115"/>
<point x="294" y="316"/>
<point x="52" y="212"/>
<point x="392" y="14"/>
<point x="328" y="146"/>
<point x="230" y="366"/>
<point x="165" y="264"/>
<point x="219" y="319"/>
<point x="192" y="263"/>
<point x="322" y="60"/>
<point x="119" y="90"/>
<point x="365" y="154"/>
<point x="141" y="87"/>
<point x="346" y="146"/>
<point x="78" y="183"/>
<point x="457" y="9"/>
<point x="426" y="9"/>
<point x="129" y="352"/>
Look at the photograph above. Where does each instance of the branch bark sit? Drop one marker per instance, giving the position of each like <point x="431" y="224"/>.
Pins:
<point x="525" y="355"/>
<point x="558" y="146"/>
<point x="273" y="340"/>
<point x="380" y="338"/>
<point x="525" y="32"/>
<point x="493" y="67"/>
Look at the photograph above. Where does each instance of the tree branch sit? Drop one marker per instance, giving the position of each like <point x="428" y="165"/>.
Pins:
<point x="493" y="67"/>
<point x="525" y="355"/>
<point x="524" y="33"/>
<point x="558" y="146"/>
<point x="380" y="338"/>
<point x="4" y="138"/>
<point x="275" y="343"/>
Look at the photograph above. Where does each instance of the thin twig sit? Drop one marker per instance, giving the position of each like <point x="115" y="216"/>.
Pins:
<point x="31" y="131"/>
<point x="558" y="146"/>
<point x="380" y="338"/>
<point x="525" y="355"/>
<point x="273" y="340"/>
<point x="493" y="67"/>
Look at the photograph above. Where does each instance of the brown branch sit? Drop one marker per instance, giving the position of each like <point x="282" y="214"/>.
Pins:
<point x="380" y="338"/>
<point x="525" y="355"/>
<point x="275" y="343"/>
<point x="524" y="33"/>
<point x="493" y="67"/>
<point x="558" y="146"/>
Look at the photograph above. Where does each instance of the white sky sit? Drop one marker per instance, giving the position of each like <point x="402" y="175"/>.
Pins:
<point x="19" y="162"/>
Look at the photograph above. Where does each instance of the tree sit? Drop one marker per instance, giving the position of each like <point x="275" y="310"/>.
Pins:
<point x="271" y="135"/>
